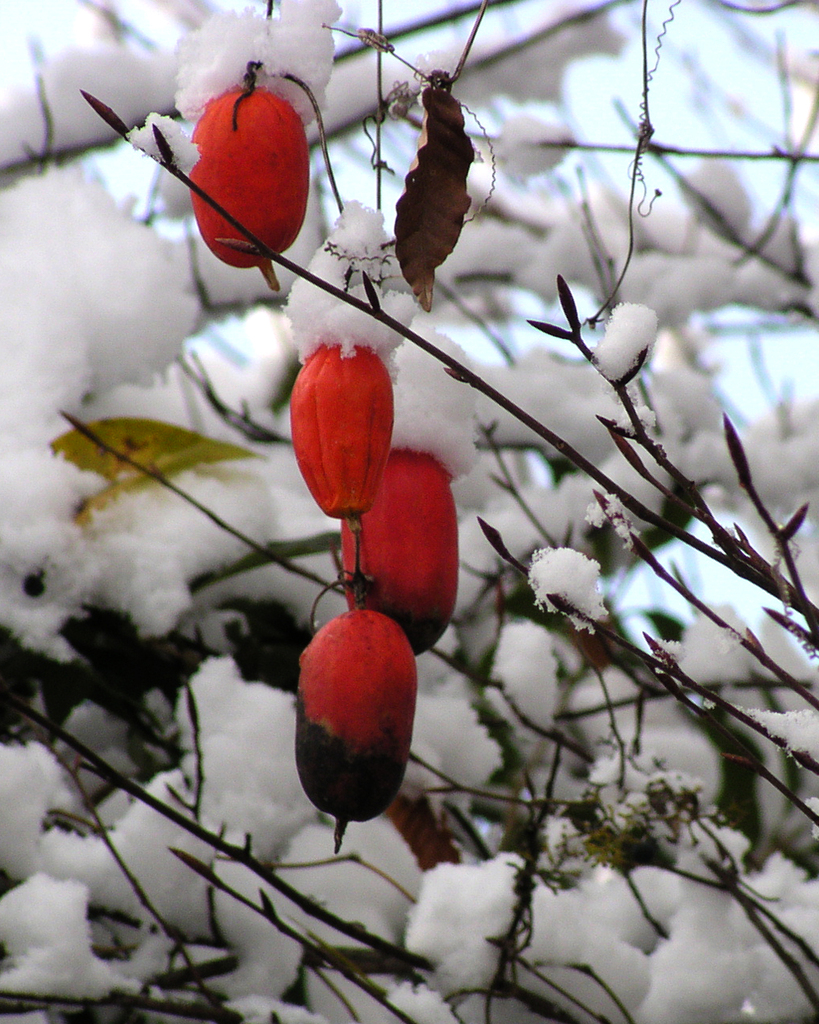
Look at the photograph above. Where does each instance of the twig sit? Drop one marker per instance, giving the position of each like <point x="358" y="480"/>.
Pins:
<point x="199" y="764"/>
<point x="644" y="132"/>
<point x="349" y="858"/>
<point x="668" y="672"/>
<point x="781" y="535"/>
<point x="590" y="972"/>
<point x="729" y="876"/>
<point x="28" y="1002"/>
<point x="747" y="640"/>
<point x="328" y="955"/>
<point x="240" y="420"/>
<point x="142" y="896"/>
<point x="331" y="178"/>
<point x="641" y="903"/>
<point x="539" y="973"/>
<point x="468" y="45"/>
<point x="240" y="854"/>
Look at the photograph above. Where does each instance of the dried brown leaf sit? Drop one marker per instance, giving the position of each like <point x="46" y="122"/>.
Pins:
<point x="428" y="838"/>
<point x="430" y="213"/>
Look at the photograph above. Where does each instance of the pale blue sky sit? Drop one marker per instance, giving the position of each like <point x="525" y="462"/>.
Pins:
<point x="51" y="26"/>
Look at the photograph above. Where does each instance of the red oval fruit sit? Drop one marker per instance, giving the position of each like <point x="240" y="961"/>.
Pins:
<point x="409" y="547"/>
<point x="255" y="162"/>
<point x="354" y="715"/>
<point x="341" y="412"/>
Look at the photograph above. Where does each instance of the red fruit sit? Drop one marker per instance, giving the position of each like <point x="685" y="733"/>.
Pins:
<point x="341" y="411"/>
<point x="354" y="715"/>
<point x="254" y="161"/>
<point x="409" y="547"/>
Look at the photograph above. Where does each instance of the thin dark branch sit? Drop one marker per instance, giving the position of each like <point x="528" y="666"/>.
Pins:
<point x="28" y="1002"/>
<point x="241" y="421"/>
<point x="470" y="41"/>
<point x="240" y="854"/>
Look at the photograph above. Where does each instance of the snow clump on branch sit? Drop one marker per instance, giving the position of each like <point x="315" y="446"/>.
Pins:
<point x="631" y="331"/>
<point x="572" y="576"/>
<point x="185" y="152"/>
<point x="358" y="244"/>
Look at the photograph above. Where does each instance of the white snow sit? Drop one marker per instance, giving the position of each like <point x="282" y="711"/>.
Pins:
<point x="536" y="71"/>
<point x="268" y="961"/>
<point x="571" y="575"/>
<point x="185" y="152"/>
<point x="589" y="925"/>
<point x="433" y="412"/>
<point x="527" y="145"/>
<point x="130" y="83"/>
<point x="717" y="195"/>
<point x="525" y="663"/>
<point x="459" y="907"/>
<point x="712" y="941"/>
<point x="245" y="738"/>
<point x="631" y="331"/>
<point x="106" y="300"/>
<point x="613" y="512"/>
<point x="44" y="930"/>
<point x="813" y="803"/>
<point x="799" y="729"/>
<point x="713" y="654"/>
<point x="423" y="1005"/>
<point x="34" y="770"/>
<point x="378" y="898"/>
<point x="214" y="59"/>
<point x="358" y="243"/>
<point x="565" y="396"/>
<point x="450" y="739"/>
<point x="261" y="1010"/>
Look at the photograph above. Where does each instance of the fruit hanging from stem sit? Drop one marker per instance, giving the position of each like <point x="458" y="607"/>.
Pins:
<point x="408" y="548"/>
<point x="255" y="162"/>
<point x="354" y="715"/>
<point x="341" y="415"/>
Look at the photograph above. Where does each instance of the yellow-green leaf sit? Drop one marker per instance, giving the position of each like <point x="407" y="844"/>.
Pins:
<point x="162" y="448"/>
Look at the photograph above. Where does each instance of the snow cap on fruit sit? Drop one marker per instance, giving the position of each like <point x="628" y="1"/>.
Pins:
<point x="215" y="58"/>
<point x="358" y="244"/>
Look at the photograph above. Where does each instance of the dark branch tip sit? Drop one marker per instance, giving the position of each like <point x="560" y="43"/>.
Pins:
<point x="551" y="329"/>
<point x="370" y="290"/>
<point x="794" y="524"/>
<point x="455" y="374"/>
<point x="495" y="539"/>
<point x="737" y="453"/>
<point x="569" y="306"/>
<point x="106" y="113"/>
<point x="165" y="152"/>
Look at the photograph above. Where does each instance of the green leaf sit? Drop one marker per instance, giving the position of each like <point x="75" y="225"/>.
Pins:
<point x="111" y="446"/>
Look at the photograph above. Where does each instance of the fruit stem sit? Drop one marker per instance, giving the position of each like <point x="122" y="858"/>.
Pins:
<point x="269" y="274"/>
<point x="358" y="581"/>
<point x="338" y="835"/>
<point x="354" y="523"/>
<point x="248" y="86"/>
